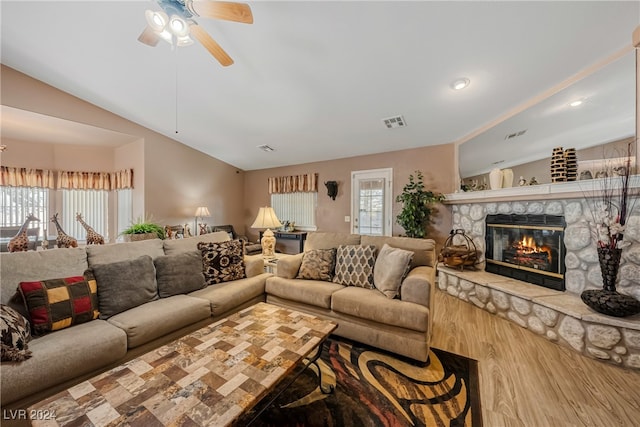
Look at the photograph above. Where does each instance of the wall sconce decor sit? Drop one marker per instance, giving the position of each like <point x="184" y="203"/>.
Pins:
<point x="332" y="189"/>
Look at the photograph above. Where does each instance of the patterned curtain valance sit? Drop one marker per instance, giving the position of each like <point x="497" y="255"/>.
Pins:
<point x="24" y="177"/>
<point x="306" y="183"/>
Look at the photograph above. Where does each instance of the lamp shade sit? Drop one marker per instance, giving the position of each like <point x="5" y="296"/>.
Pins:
<point x="202" y="211"/>
<point x="266" y="219"/>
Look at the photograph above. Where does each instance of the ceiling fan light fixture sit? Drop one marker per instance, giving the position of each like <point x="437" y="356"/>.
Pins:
<point x="157" y="20"/>
<point x="184" y="41"/>
<point x="461" y="83"/>
<point x="178" y="26"/>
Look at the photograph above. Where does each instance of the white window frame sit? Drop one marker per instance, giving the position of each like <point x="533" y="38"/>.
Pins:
<point x="14" y="214"/>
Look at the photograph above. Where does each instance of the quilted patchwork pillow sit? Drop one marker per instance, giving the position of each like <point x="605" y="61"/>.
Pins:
<point x="317" y="264"/>
<point x="354" y="265"/>
<point x="222" y="261"/>
<point x="15" y="334"/>
<point x="59" y="303"/>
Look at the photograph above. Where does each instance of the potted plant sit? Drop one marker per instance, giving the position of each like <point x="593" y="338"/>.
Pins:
<point x="417" y="206"/>
<point x="143" y="229"/>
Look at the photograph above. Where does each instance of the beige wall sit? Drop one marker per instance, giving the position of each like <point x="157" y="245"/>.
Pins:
<point x="436" y="163"/>
<point x="176" y="178"/>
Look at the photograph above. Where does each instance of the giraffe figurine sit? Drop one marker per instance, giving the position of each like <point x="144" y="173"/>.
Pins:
<point x="20" y="242"/>
<point x="63" y="240"/>
<point x="93" y="238"/>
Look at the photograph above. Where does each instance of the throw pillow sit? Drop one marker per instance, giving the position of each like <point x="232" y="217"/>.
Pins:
<point x="354" y="265"/>
<point x="15" y="334"/>
<point x="59" y="303"/>
<point x="318" y="264"/>
<point x="179" y="274"/>
<point x="222" y="261"/>
<point x="391" y="268"/>
<point x="124" y="284"/>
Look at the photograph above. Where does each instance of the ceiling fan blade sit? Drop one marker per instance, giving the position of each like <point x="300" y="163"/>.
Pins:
<point x="228" y="11"/>
<point x="149" y="37"/>
<point x="211" y="45"/>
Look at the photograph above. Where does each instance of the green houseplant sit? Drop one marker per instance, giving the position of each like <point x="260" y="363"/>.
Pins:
<point x="143" y="229"/>
<point x="417" y="206"/>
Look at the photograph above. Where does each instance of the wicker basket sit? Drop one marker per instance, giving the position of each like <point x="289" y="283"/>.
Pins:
<point x="138" y="237"/>
<point x="463" y="254"/>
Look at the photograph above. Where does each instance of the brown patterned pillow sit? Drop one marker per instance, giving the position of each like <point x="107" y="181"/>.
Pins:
<point x="222" y="261"/>
<point x="15" y="334"/>
<point x="317" y="264"/>
<point x="354" y="265"/>
<point x="59" y="303"/>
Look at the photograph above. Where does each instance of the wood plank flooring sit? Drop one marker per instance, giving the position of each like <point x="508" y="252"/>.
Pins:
<point x="526" y="380"/>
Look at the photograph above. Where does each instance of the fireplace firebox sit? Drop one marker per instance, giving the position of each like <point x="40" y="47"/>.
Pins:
<point x="526" y="247"/>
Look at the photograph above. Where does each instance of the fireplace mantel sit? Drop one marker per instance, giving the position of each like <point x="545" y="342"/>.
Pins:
<point x="558" y="190"/>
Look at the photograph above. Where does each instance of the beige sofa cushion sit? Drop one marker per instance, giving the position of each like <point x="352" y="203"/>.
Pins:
<point x="226" y="296"/>
<point x="424" y="249"/>
<point x="61" y="356"/>
<point x="319" y="240"/>
<point x="318" y="264"/>
<point x="105" y="254"/>
<point x="354" y="265"/>
<point x="373" y="305"/>
<point x="175" y="246"/>
<point x="157" y="318"/>
<point x="392" y="265"/>
<point x="313" y="292"/>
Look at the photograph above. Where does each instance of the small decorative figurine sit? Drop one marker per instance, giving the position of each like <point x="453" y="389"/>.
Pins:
<point x="522" y="181"/>
<point x="533" y="181"/>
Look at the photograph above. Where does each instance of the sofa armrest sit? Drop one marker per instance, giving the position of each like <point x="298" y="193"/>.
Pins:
<point x="289" y="265"/>
<point x="253" y="265"/>
<point x="417" y="286"/>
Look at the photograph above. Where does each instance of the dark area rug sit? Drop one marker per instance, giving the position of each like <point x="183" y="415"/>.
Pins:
<point x="374" y="388"/>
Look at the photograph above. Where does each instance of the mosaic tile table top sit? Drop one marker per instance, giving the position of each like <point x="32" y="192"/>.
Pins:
<point x="209" y="377"/>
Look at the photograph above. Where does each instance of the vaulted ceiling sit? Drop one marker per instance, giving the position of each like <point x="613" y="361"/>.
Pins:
<point x="314" y="80"/>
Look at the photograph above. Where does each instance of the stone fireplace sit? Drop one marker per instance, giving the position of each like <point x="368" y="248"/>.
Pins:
<point x="557" y="242"/>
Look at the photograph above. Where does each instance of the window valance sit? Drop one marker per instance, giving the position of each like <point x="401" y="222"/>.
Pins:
<point x="294" y="183"/>
<point x="25" y="177"/>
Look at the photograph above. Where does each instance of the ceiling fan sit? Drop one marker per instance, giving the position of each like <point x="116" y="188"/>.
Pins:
<point x="175" y="23"/>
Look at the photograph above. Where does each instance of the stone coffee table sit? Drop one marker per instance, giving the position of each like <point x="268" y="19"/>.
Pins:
<point x="210" y="377"/>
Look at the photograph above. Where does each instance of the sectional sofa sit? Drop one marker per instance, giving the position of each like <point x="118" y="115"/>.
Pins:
<point x="399" y="322"/>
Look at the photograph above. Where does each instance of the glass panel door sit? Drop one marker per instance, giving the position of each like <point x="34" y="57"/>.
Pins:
<point x="371" y="202"/>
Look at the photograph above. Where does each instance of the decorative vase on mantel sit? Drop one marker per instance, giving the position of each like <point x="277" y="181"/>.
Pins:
<point x="607" y="300"/>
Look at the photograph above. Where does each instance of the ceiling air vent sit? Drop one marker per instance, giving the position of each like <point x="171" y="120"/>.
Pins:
<point x="515" y="134"/>
<point x="394" y="122"/>
<point x="266" y="148"/>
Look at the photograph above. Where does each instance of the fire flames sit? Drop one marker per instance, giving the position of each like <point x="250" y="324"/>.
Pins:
<point x="528" y="246"/>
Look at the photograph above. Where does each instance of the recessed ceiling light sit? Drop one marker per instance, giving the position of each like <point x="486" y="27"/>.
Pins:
<point x="576" y="103"/>
<point x="460" y="83"/>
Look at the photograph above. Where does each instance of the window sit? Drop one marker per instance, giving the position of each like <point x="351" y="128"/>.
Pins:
<point x="19" y="202"/>
<point x="125" y="209"/>
<point x="298" y="208"/>
<point x="92" y="204"/>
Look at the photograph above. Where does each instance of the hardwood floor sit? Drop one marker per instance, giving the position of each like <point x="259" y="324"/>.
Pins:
<point x="526" y="380"/>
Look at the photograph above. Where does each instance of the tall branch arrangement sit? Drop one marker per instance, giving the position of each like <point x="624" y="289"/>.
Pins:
<point x="614" y="202"/>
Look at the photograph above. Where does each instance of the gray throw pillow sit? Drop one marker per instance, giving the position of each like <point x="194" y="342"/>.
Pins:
<point x="318" y="264"/>
<point x="392" y="265"/>
<point x="354" y="265"/>
<point x="125" y="284"/>
<point x="179" y="274"/>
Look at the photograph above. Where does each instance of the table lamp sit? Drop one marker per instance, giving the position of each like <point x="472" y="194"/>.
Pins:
<point x="267" y="219"/>
<point x="202" y="211"/>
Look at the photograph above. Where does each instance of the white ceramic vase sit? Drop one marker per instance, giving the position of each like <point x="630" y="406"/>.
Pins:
<point x="507" y="178"/>
<point x="495" y="179"/>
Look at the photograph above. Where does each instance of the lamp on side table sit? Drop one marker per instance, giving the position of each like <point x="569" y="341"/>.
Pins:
<point x="201" y="212"/>
<point x="267" y="219"/>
